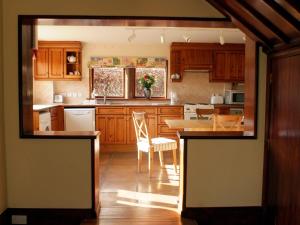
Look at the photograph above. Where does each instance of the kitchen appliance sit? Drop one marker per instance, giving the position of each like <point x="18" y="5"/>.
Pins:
<point x="79" y="119"/>
<point x="216" y="99"/>
<point x="190" y="110"/>
<point x="58" y="99"/>
<point x="234" y="97"/>
<point x="44" y="121"/>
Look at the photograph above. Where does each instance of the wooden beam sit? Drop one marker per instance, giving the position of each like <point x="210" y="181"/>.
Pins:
<point x="241" y="22"/>
<point x="283" y="13"/>
<point x="295" y="4"/>
<point x="267" y="23"/>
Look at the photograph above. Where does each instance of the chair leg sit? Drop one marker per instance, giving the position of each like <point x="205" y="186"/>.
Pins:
<point x="175" y="160"/>
<point x="150" y="161"/>
<point x="139" y="160"/>
<point x="161" y="158"/>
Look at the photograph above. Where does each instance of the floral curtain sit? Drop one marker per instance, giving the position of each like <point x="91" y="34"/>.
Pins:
<point x="128" y="61"/>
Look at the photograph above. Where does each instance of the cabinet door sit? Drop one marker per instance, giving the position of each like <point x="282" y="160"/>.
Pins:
<point x="110" y="128"/>
<point x="130" y="137"/>
<point x="56" y="63"/>
<point x="120" y="129"/>
<point x="220" y="72"/>
<point x="41" y="64"/>
<point x="100" y="125"/>
<point x="176" y="62"/>
<point x="197" y="59"/>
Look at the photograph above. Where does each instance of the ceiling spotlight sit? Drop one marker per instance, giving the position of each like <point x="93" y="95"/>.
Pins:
<point x="222" y="41"/>
<point x="162" y="38"/>
<point x="187" y="38"/>
<point x="132" y="36"/>
<point x="244" y="38"/>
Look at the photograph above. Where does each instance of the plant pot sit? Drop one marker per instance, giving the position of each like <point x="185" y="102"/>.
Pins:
<point x="147" y="93"/>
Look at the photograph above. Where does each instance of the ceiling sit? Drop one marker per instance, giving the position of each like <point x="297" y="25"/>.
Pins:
<point x="274" y="23"/>
<point x="143" y="35"/>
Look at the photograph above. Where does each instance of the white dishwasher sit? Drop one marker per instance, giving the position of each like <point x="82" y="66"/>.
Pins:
<point x="79" y="119"/>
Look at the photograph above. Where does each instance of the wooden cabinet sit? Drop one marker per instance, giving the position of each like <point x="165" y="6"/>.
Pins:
<point x="168" y="113"/>
<point x="41" y="64"/>
<point x="225" y="63"/>
<point x="111" y="122"/>
<point x="57" y="118"/>
<point x="56" y="63"/>
<point x="36" y="121"/>
<point x="53" y="60"/>
<point x="228" y="66"/>
<point x="116" y="124"/>
<point x="176" y="66"/>
<point x="197" y="58"/>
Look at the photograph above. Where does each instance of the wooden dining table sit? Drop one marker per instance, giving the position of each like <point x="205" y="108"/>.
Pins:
<point x="197" y="125"/>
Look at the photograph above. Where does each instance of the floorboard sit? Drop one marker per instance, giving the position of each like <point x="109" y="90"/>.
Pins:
<point x="131" y="198"/>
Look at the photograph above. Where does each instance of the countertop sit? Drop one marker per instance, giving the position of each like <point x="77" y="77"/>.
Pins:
<point x="44" y="107"/>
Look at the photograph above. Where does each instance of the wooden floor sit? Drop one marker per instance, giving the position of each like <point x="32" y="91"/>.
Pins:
<point x="130" y="198"/>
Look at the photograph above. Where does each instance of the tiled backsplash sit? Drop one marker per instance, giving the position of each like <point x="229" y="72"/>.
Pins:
<point x="196" y="88"/>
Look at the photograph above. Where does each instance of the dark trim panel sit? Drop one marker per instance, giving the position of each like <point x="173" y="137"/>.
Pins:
<point x="38" y="216"/>
<point x="249" y="215"/>
<point x="4" y="218"/>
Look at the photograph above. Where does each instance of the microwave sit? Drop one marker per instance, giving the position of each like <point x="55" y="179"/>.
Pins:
<point x="234" y="97"/>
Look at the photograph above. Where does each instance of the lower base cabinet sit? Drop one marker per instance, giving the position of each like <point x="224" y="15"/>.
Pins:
<point x="116" y="124"/>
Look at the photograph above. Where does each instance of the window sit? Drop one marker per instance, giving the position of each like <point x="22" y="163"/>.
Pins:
<point x="109" y="82"/>
<point x="159" y="89"/>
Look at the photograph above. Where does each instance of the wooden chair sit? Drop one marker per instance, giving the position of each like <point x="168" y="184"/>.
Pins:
<point x="150" y="145"/>
<point x="227" y="122"/>
<point x="206" y="113"/>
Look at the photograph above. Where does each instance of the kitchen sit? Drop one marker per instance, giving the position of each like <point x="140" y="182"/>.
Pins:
<point x="76" y="96"/>
<point x="189" y="85"/>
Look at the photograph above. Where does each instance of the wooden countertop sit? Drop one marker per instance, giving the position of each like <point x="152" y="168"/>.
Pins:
<point x="66" y="134"/>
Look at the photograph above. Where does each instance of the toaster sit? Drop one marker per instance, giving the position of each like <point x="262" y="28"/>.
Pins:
<point x="216" y="99"/>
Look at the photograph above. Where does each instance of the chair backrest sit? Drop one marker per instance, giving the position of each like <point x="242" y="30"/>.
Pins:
<point x="140" y="126"/>
<point x="204" y="113"/>
<point x="227" y="122"/>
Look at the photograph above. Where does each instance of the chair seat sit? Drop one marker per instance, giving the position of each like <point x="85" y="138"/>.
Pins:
<point x="159" y="144"/>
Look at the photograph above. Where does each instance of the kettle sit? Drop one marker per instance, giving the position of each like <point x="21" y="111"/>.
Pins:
<point x="71" y="59"/>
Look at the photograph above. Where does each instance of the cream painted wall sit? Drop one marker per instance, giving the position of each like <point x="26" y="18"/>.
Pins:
<point x="25" y="158"/>
<point x="2" y="153"/>
<point x="228" y="172"/>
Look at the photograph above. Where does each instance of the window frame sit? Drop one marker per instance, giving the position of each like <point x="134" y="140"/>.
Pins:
<point x="108" y="97"/>
<point x="166" y="84"/>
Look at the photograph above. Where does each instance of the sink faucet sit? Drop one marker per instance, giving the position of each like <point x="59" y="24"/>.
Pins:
<point x="104" y="98"/>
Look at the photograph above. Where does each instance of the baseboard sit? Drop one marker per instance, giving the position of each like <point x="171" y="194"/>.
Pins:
<point x="225" y="215"/>
<point x="51" y="216"/>
<point x="4" y="218"/>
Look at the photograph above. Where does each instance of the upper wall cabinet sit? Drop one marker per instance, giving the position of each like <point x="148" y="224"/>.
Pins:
<point x="58" y="60"/>
<point x="225" y="63"/>
<point x="228" y="66"/>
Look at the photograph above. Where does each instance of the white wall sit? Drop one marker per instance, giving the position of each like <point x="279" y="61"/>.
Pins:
<point x="28" y="155"/>
<point x="2" y="153"/>
<point x="223" y="173"/>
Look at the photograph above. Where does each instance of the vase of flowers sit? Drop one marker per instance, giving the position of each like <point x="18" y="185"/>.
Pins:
<point x="146" y="82"/>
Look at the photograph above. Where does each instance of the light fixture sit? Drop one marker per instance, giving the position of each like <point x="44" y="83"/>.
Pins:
<point x="187" y="38"/>
<point x="132" y="36"/>
<point x="162" y="38"/>
<point x="244" y="37"/>
<point x="222" y="41"/>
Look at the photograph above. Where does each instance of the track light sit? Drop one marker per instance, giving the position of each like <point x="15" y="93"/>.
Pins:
<point x="162" y="39"/>
<point x="187" y="38"/>
<point x="132" y="36"/>
<point x="222" y="41"/>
